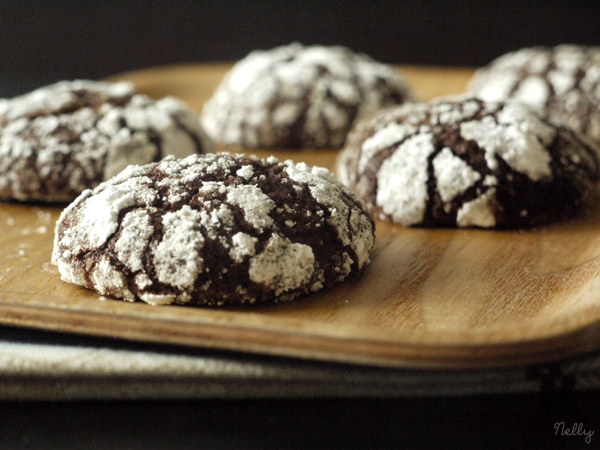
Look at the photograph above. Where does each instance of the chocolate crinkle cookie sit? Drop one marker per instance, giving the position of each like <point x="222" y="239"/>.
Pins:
<point x="213" y="229"/>
<point x="61" y="139"/>
<point x="564" y="81"/>
<point x="468" y="163"/>
<point x="299" y="97"/>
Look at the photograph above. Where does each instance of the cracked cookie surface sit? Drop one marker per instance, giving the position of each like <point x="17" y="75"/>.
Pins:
<point x="213" y="229"/>
<point x="468" y="163"/>
<point x="60" y="139"/>
<point x="299" y="97"/>
<point x="563" y="81"/>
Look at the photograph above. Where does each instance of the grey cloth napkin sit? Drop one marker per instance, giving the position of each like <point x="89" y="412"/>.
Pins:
<point x="38" y="365"/>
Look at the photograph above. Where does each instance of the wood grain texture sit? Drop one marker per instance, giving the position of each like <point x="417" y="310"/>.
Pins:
<point x="436" y="298"/>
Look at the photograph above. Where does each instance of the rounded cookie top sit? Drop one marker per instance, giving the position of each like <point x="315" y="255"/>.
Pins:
<point x="468" y="163"/>
<point x="61" y="139"/>
<point x="213" y="229"/>
<point x="299" y="97"/>
<point x="563" y="80"/>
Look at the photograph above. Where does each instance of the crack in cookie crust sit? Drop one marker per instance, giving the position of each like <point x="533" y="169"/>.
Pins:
<point x="464" y="162"/>
<point x="61" y="139"/>
<point x="563" y="81"/>
<point x="299" y="97"/>
<point x="214" y="229"/>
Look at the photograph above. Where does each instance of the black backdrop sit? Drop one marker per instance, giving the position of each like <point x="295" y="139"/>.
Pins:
<point x="42" y="41"/>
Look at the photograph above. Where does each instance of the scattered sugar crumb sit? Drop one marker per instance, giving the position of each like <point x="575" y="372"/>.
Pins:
<point x="49" y="267"/>
<point x="44" y="216"/>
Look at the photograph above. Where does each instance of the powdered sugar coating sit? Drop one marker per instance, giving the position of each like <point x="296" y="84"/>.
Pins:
<point x="236" y="229"/>
<point x="176" y="257"/>
<point x="255" y="203"/>
<point x="517" y="137"/>
<point x="460" y="161"/>
<point x="283" y="265"/>
<point x="564" y="81"/>
<point x="130" y="246"/>
<point x="295" y="97"/>
<point x="402" y="180"/>
<point x="478" y="212"/>
<point x="454" y="176"/>
<point x="61" y="139"/>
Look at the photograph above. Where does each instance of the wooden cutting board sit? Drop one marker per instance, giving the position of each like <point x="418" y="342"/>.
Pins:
<point x="430" y="298"/>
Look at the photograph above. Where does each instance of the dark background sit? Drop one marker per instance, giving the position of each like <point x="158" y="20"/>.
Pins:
<point x="506" y="422"/>
<point x="43" y="41"/>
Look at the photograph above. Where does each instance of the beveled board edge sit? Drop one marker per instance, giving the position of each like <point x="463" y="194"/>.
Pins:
<point x="295" y="344"/>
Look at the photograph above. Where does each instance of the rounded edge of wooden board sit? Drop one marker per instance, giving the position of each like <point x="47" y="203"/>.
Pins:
<point x="29" y="312"/>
